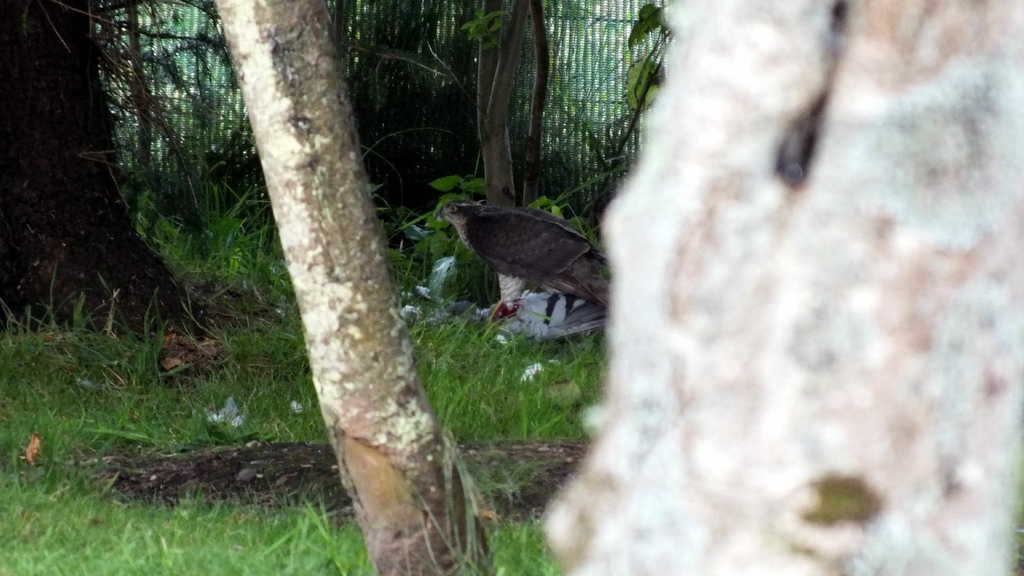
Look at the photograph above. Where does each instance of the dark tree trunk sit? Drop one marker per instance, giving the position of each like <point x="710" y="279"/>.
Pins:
<point x="495" y="75"/>
<point x="531" y="179"/>
<point x="64" y="230"/>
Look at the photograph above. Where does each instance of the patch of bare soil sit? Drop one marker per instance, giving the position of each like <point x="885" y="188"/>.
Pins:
<point x="517" y="479"/>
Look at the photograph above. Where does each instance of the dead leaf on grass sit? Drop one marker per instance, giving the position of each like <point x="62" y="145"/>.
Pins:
<point x="32" y="451"/>
<point x="170" y="363"/>
<point x="179" y="350"/>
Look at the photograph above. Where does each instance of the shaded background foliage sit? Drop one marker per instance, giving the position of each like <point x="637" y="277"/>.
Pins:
<point x="182" y="130"/>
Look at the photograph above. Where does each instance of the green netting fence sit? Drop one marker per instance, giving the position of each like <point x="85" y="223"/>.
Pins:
<point x="411" y="72"/>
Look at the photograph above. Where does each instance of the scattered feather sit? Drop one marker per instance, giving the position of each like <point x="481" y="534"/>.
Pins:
<point x="411" y="313"/>
<point x="444" y="269"/>
<point x="229" y="413"/>
<point x="531" y="372"/>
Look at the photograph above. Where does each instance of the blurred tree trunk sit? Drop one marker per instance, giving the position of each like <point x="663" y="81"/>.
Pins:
<point x="413" y="505"/>
<point x="818" y="368"/>
<point x="64" y="230"/>
<point x="496" y="71"/>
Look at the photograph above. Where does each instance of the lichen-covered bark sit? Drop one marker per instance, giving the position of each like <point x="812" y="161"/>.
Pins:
<point x="818" y="367"/>
<point x="408" y="496"/>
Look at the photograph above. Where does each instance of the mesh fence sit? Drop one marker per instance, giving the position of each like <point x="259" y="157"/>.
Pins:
<point x="411" y="72"/>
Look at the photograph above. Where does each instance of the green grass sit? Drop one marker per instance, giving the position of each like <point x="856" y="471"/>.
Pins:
<point x="71" y="532"/>
<point x="74" y="532"/>
<point x="87" y="392"/>
<point x="90" y="395"/>
<point x="475" y="383"/>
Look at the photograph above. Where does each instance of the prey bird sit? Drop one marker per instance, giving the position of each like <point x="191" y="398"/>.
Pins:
<point x="542" y="316"/>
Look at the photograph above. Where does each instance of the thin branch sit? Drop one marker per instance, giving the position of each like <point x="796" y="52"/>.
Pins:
<point x="454" y="78"/>
<point x="394" y="56"/>
<point x="93" y="17"/>
<point x="54" y="28"/>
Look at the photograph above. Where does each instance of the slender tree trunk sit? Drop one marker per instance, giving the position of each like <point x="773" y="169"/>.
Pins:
<point x="818" y="312"/>
<point x="410" y="500"/>
<point x="531" y="178"/>
<point x="341" y="36"/>
<point x="64" y="232"/>
<point x="495" y="73"/>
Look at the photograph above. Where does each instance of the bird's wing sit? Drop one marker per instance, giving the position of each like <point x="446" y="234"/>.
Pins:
<point x="536" y="246"/>
<point x="519" y="243"/>
<point x="581" y="279"/>
<point x="564" y="224"/>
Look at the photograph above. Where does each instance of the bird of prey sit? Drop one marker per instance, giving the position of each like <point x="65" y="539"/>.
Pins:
<point x="527" y="244"/>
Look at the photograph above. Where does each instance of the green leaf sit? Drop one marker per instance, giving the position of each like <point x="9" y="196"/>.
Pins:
<point x="637" y="34"/>
<point x="474" y="186"/>
<point x="649" y="12"/>
<point x="651" y="20"/>
<point x="542" y="202"/>
<point x="446" y="183"/>
<point x="641" y="74"/>
<point x="485" y="27"/>
<point x="545" y="203"/>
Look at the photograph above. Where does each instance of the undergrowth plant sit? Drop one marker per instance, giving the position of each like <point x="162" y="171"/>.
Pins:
<point x="239" y="247"/>
<point x="427" y="251"/>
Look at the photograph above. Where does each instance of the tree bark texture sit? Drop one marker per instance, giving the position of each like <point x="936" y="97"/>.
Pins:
<point x="64" y="230"/>
<point x="531" y="171"/>
<point x="818" y="367"/>
<point x="410" y="501"/>
<point x="496" y="71"/>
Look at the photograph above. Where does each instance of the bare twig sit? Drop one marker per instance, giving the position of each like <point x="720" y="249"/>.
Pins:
<point x="454" y="78"/>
